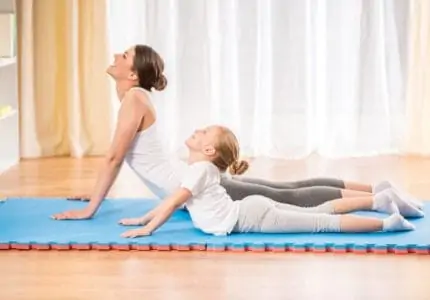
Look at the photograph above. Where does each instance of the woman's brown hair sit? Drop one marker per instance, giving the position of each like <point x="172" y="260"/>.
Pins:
<point x="149" y="67"/>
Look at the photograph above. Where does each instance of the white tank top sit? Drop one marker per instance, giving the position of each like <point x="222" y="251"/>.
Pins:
<point x="146" y="157"/>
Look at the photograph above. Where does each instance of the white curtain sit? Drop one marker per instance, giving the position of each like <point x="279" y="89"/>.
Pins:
<point x="291" y="77"/>
<point x="417" y="137"/>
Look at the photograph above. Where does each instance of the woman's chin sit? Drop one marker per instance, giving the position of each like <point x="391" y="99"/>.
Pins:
<point x="111" y="71"/>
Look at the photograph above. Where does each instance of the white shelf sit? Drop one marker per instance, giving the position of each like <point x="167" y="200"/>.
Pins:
<point x="10" y="114"/>
<point x="7" y="61"/>
<point x="9" y="121"/>
<point x="9" y="133"/>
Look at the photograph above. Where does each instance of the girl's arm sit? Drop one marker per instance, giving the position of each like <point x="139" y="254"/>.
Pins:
<point x="161" y="213"/>
<point x="143" y="220"/>
<point x="193" y="182"/>
<point x="130" y="116"/>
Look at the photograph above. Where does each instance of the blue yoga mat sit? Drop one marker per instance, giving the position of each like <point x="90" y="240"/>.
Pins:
<point x="25" y="221"/>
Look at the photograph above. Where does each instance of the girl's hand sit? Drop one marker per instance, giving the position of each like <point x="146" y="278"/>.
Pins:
<point x="132" y="221"/>
<point x="136" y="233"/>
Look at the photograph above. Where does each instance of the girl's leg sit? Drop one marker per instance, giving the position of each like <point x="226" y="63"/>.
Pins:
<point x="395" y="222"/>
<point x="259" y="214"/>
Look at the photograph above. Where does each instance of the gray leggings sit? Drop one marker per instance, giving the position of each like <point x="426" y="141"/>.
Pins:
<point x="260" y="214"/>
<point x="305" y="193"/>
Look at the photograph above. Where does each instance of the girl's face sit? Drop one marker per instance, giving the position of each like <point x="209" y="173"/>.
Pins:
<point x="204" y="140"/>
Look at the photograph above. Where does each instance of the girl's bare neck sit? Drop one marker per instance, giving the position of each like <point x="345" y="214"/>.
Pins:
<point x="194" y="157"/>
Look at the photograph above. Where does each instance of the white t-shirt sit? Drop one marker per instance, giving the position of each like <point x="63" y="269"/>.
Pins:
<point x="211" y="209"/>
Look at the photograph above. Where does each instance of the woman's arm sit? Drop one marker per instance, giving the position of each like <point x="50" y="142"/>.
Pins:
<point x="130" y="116"/>
<point x="161" y="213"/>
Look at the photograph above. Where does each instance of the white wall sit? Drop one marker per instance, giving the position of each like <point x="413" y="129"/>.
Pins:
<point x="7" y="6"/>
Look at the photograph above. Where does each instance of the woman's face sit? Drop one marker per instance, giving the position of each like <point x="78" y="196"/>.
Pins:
<point x="122" y="67"/>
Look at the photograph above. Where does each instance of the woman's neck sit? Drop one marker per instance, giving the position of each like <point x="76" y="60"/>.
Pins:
<point x="123" y="87"/>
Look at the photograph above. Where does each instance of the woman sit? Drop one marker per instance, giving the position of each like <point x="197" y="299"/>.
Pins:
<point x="136" y="72"/>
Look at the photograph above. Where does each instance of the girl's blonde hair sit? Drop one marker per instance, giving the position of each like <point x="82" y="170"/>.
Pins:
<point x="227" y="156"/>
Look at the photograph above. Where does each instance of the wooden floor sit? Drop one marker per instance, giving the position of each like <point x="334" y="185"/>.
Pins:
<point x="196" y="275"/>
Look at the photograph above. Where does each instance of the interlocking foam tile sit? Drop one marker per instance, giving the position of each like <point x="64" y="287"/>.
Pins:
<point x="25" y="224"/>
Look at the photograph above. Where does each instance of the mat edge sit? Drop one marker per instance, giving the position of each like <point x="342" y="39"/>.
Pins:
<point x="356" y="249"/>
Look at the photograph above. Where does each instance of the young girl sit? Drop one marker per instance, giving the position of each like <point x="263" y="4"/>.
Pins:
<point x="215" y="149"/>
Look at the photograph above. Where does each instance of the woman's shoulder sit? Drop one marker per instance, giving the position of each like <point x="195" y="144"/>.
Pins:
<point x="138" y="93"/>
<point x="139" y="98"/>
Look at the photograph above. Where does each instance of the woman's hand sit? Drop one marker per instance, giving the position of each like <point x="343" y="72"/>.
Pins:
<point x="78" y="214"/>
<point x="79" y="198"/>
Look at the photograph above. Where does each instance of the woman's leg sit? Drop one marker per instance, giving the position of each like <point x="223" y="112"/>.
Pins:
<point x="303" y="197"/>
<point x="313" y="196"/>
<point x="259" y="214"/>
<point x="328" y="182"/>
<point x="356" y="186"/>
<point x="402" y="193"/>
<point x="387" y="201"/>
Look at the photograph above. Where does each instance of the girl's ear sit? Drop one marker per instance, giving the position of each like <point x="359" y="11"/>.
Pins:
<point x="209" y="150"/>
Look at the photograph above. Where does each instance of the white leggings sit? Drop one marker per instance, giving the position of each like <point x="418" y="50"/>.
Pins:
<point x="261" y="214"/>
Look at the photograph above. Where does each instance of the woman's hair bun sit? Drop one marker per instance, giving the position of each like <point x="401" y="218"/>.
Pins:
<point x="161" y="83"/>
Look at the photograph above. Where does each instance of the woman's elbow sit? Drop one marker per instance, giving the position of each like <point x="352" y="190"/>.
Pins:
<point x="114" y="160"/>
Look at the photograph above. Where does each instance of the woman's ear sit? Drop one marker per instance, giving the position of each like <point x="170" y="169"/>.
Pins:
<point x="133" y="76"/>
